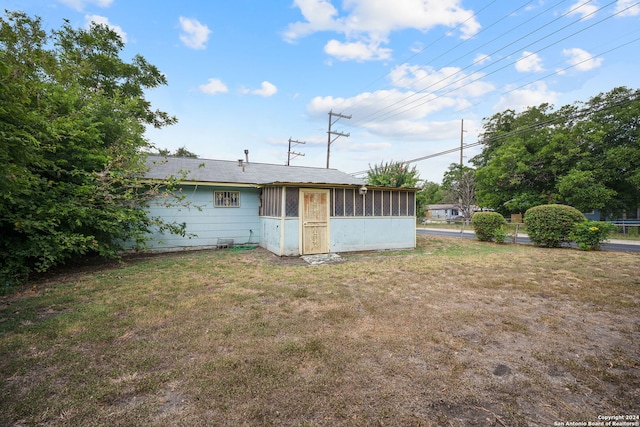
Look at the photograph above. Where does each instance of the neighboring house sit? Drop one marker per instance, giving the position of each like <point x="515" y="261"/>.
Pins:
<point x="442" y="211"/>
<point x="597" y="215"/>
<point x="289" y="210"/>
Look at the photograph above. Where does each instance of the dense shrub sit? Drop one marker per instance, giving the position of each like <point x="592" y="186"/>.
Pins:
<point x="589" y="235"/>
<point x="489" y="226"/>
<point x="551" y="225"/>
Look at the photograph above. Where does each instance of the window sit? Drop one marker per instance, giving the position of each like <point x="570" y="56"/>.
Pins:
<point x="349" y="195"/>
<point x="271" y="201"/>
<point x="226" y="199"/>
<point x="339" y="202"/>
<point x="377" y="202"/>
<point x="384" y="203"/>
<point x="291" y="208"/>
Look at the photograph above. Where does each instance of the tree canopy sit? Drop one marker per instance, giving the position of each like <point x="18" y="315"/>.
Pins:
<point x="393" y="174"/>
<point x="586" y="155"/>
<point x="180" y="152"/>
<point x="72" y="120"/>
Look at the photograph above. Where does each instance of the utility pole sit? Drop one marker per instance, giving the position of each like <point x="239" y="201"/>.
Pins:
<point x="462" y="131"/>
<point x="289" y="153"/>
<point x="330" y="132"/>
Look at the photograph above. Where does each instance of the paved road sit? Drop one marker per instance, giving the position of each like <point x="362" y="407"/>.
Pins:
<point x="614" y="245"/>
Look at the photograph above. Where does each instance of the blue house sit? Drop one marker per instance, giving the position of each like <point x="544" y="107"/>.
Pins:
<point x="289" y="210"/>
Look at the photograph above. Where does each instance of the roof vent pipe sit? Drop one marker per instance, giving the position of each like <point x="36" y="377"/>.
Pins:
<point x="241" y="164"/>
<point x="246" y="154"/>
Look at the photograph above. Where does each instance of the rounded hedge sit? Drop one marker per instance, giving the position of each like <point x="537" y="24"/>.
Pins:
<point x="551" y="225"/>
<point x="487" y="225"/>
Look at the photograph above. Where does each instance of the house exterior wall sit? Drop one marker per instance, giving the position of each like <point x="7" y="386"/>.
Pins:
<point x="271" y="234"/>
<point x="372" y="233"/>
<point x="281" y="236"/>
<point x="442" y="211"/>
<point x="279" y="233"/>
<point x="206" y="222"/>
<point x="354" y="224"/>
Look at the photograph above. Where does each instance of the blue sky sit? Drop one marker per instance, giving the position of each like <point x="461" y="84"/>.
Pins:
<point x="250" y="74"/>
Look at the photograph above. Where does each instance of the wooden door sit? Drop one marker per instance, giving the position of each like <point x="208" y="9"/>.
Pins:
<point x="315" y="221"/>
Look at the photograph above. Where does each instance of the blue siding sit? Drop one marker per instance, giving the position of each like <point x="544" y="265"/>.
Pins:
<point x="209" y="223"/>
<point x="272" y="235"/>
<point x="291" y="237"/>
<point x="372" y="233"/>
<point x="278" y="235"/>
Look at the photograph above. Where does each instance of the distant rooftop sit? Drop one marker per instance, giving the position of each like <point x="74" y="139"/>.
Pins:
<point x="234" y="172"/>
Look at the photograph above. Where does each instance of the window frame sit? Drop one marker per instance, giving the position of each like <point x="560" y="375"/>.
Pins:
<point x="226" y="194"/>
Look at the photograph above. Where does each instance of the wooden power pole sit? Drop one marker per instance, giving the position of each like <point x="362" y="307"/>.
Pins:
<point x="330" y="132"/>
<point x="461" y="140"/>
<point x="293" y="153"/>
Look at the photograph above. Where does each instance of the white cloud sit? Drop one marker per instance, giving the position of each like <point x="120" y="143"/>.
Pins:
<point x="481" y="58"/>
<point x="358" y="51"/>
<point x="630" y="9"/>
<point x="583" y="9"/>
<point x="97" y="19"/>
<point x="368" y="105"/>
<point x="319" y="15"/>
<point x="385" y="16"/>
<point x="581" y="59"/>
<point x="213" y="86"/>
<point x="366" y="24"/>
<point x="447" y="79"/>
<point x="419" y="93"/>
<point x="195" y="35"/>
<point x="407" y="123"/>
<point x="80" y="4"/>
<point x="530" y="96"/>
<point x="529" y="63"/>
<point x="267" y="89"/>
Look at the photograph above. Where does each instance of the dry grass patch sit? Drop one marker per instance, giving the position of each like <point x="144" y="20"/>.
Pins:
<point x="454" y="333"/>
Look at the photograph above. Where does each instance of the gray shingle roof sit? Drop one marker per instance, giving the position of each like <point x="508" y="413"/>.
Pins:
<point x="225" y="171"/>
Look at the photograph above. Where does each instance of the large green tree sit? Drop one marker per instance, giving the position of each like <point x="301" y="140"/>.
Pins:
<point x="586" y="155"/>
<point x="72" y="119"/>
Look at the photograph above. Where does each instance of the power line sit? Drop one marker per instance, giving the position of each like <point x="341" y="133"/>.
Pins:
<point x="580" y="113"/>
<point x="363" y="119"/>
<point x="434" y="96"/>
<point x="557" y="71"/>
<point x="443" y="36"/>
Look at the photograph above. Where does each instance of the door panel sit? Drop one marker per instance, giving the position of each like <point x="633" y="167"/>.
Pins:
<point x="315" y="221"/>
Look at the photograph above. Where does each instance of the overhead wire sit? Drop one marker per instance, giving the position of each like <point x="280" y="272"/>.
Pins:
<point x="444" y="35"/>
<point x="432" y="96"/>
<point x="363" y="119"/>
<point x="580" y="113"/>
<point x="556" y="72"/>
